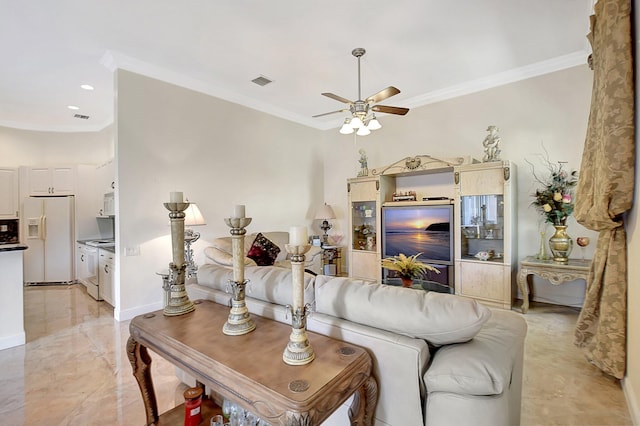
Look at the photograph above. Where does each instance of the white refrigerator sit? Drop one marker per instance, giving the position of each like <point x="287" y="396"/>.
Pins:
<point x="49" y="233"/>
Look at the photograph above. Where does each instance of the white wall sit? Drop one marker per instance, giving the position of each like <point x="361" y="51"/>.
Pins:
<point x="31" y="148"/>
<point x="551" y="110"/>
<point x="219" y="154"/>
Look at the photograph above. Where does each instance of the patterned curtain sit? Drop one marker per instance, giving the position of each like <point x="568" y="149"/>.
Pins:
<point x="605" y="187"/>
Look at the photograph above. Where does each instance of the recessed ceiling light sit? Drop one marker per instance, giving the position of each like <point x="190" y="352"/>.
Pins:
<point x="86" y="86"/>
<point x="73" y="107"/>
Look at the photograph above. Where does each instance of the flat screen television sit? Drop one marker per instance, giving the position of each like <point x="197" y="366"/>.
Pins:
<point x="419" y="228"/>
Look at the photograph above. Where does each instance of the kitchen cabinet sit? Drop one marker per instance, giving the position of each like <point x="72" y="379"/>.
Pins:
<point x="105" y="276"/>
<point x="87" y="269"/>
<point x="485" y="236"/>
<point x="59" y="180"/>
<point x="9" y="198"/>
<point x="105" y="174"/>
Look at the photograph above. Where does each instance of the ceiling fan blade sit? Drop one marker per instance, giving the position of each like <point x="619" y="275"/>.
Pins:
<point x="329" y="113"/>
<point x="337" y="98"/>
<point x="390" y="109"/>
<point x="382" y="95"/>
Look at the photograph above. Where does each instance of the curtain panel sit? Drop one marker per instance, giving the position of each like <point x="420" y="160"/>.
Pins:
<point x="605" y="187"/>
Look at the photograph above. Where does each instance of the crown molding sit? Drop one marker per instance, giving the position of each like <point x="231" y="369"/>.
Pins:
<point x="113" y="60"/>
<point x="500" y="79"/>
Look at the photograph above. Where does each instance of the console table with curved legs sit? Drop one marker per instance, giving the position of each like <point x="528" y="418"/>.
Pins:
<point x="249" y="369"/>
<point x="555" y="273"/>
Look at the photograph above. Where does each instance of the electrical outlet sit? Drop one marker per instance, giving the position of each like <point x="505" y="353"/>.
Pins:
<point x="132" y="251"/>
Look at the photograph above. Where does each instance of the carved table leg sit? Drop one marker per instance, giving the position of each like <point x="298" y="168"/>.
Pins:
<point x="523" y="284"/>
<point x="141" y="364"/>
<point x="364" y="403"/>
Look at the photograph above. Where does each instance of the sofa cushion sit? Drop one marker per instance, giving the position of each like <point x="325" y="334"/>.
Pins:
<point x="222" y="257"/>
<point x="484" y="365"/>
<point x="436" y="317"/>
<point x="267" y="283"/>
<point x="263" y="251"/>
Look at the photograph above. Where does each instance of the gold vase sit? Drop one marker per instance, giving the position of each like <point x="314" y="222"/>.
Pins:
<point x="560" y="244"/>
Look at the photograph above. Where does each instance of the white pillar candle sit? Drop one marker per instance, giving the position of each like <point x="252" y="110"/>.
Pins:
<point x="238" y="211"/>
<point x="298" y="236"/>
<point x="175" y="197"/>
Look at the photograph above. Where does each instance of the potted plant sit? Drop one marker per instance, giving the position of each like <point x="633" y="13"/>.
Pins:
<point x="408" y="267"/>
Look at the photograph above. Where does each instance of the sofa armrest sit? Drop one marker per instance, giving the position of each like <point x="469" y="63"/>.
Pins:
<point x="399" y="362"/>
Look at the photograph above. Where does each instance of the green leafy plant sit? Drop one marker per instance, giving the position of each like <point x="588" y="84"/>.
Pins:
<point x="407" y="266"/>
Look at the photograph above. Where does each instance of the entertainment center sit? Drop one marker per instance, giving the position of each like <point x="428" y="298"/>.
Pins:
<point x="457" y="212"/>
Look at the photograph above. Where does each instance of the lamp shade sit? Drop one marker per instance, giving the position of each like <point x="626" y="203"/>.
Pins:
<point x="325" y="212"/>
<point x="346" y="128"/>
<point x="363" y="131"/>
<point x="374" y="124"/>
<point x="192" y="216"/>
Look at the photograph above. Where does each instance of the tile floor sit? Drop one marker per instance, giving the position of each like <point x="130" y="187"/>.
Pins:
<point x="74" y="369"/>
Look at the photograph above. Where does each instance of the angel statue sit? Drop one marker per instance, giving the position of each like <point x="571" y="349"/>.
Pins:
<point x="364" y="169"/>
<point x="491" y="145"/>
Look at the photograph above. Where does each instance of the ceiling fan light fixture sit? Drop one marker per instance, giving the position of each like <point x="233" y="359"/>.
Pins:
<point x="363" y="131"/>
<point x="374" y="124"/>
<point x="356" y="123"/>
<point x="360" y="109"/>
<point x="346" y="128"/>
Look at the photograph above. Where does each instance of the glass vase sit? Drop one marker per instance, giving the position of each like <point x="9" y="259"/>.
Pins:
<point x="542" y="251"/>
<point x="560" y="244"/>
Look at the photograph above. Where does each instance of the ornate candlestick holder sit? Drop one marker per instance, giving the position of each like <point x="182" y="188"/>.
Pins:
<point x="178" y="302"/>
<point x="298" y="350"/>
<point x="239" y="321"/>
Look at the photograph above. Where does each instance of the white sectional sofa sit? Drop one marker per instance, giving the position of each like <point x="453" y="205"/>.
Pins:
<point x="439" y="359"/>
<point x="220" y="252"/>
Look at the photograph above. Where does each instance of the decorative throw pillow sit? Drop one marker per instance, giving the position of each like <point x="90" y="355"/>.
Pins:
<point x="263" y="251"/>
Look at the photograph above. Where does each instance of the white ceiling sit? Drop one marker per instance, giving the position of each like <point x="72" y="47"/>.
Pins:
<point x="429" y="49"/>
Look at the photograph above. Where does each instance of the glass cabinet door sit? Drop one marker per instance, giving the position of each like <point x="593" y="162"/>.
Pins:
<point x="482" y="227"/>
<point x="364" y="222"/>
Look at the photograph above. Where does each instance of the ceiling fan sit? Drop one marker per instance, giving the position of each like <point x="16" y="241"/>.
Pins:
<point x="360" y="119"/>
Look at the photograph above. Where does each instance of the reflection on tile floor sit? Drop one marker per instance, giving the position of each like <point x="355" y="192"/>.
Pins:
<point x="559" y="386"/>
<point x="74" y="369"/>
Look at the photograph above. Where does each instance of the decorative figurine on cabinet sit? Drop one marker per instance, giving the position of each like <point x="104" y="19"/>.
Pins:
<point x="491" y="145"/>
<point x="364" y="168"/>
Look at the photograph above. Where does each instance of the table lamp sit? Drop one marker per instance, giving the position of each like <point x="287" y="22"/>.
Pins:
<point x="325" y="213"/>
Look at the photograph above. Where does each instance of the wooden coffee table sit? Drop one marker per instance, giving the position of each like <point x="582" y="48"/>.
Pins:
<point x="249" y="369"/>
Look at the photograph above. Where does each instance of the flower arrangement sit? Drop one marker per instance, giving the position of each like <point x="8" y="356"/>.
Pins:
<point x="555" y="199"/>
<point x="408" y="267"/>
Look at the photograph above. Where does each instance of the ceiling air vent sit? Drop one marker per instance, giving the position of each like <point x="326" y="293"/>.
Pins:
<point x="84" y="117"/>
<point x="262" y="80"/>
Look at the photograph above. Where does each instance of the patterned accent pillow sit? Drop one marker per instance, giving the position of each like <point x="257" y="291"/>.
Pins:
<point x="263" y="251"/>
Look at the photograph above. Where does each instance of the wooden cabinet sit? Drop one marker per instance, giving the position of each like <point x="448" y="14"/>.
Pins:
<point x="52" y="180"/>
<point x="9" y="199"/>
<point x="485" y="249"/>
<point x="105" y="276"/>
<point x="483" y="226"/>
<point x="366" y="196"/>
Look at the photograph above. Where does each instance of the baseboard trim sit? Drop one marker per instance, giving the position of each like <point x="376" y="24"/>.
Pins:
<point x="127" y="314"/>
<point x="632" y="403"/>
<point x="12" y="341"/>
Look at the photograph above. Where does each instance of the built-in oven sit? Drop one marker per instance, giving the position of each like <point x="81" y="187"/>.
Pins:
<point x="9" y="231"/>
